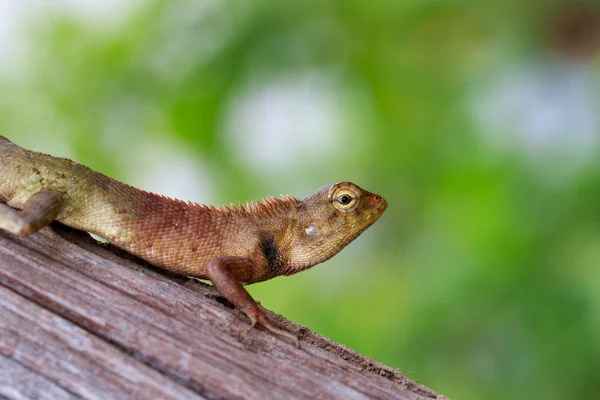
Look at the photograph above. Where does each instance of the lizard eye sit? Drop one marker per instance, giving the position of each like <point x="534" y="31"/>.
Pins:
<point x="345" y="200"/>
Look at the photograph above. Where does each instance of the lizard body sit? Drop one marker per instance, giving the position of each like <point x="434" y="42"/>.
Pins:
<point x="231" y="246"/>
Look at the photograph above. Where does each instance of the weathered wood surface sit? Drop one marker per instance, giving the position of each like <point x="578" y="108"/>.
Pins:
<point x="78" y="320"/>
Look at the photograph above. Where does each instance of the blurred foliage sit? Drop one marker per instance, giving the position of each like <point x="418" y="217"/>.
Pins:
<point x="482" y="280"/>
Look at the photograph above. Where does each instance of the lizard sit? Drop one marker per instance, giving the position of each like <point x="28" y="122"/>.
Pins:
<point x="231" y="246"/>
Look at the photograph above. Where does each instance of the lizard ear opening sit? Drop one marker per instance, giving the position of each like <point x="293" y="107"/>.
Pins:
<point x="311" y="230"/>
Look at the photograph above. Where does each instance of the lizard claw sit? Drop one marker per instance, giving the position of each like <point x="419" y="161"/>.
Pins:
<point x="280" y="332"/>
<point x="263" y="320"/>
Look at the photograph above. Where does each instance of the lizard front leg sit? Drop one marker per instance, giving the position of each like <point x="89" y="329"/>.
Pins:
<point x="38" y="211"/>
<point x="227" y="274"/>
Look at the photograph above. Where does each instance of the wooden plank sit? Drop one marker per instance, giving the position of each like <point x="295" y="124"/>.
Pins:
<point x="69" y="360"/>
<point x="191" y="338"/>
<point x="20" y="382"/>
<point x="162" y="294"/>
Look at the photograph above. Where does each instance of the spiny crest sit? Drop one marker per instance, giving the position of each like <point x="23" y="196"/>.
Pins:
<point x="267" y="206"/>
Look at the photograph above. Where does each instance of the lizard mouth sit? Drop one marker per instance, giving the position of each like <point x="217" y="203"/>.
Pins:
<point x="376" y="213"/>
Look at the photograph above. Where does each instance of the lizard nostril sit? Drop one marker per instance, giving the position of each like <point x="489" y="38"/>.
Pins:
<point x="377" y="198"/>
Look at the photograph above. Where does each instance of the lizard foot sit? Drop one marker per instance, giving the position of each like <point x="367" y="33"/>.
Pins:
<point x="261" y="318"/>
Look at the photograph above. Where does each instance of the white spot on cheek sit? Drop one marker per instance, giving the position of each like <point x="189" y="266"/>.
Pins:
<point x="311" y="230"/>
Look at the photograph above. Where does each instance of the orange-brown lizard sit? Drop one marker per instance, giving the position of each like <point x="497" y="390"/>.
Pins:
<point x="230" y="246"/>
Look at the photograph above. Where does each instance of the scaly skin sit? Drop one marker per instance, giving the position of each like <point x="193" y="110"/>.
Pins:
<point x="231" y="246"/>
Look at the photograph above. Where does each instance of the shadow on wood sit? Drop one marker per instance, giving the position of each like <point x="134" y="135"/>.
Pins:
<point x="80" y="319"/>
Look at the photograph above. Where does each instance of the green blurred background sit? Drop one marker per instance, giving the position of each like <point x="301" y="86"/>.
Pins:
<point x="479" y="122"/>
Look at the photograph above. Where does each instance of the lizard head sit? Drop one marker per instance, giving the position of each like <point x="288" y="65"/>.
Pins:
<point x="327" y="221"/>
